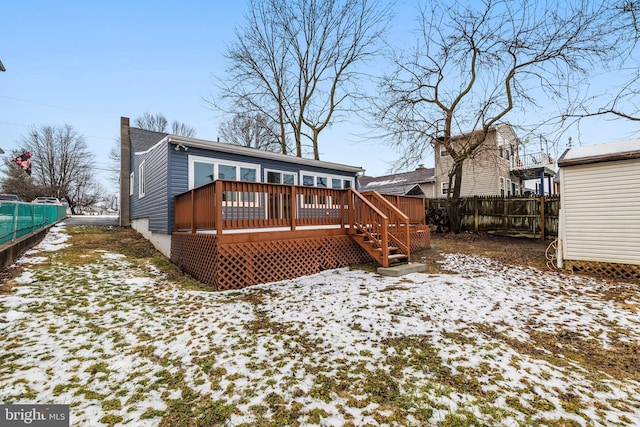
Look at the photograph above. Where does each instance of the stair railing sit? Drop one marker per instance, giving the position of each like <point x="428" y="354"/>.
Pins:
<point x="365" y="218"/>
<point x="398" y="222"/>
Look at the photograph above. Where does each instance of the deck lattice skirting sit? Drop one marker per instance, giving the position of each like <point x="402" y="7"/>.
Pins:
<point x="238" y="265"/>
<point x="618" y="271"/>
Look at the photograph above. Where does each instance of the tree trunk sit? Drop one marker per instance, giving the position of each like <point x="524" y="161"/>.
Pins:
<point x="453" y="205"/>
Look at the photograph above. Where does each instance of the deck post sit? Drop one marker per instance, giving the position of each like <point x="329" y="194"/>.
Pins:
<point x="218" y="207"/>
<point x="342" y="202"/>
<point x="384" y="235"/>
<point x="351" y="210"/>
<point x="193" y="211"/>
<point x="293" y="204"/>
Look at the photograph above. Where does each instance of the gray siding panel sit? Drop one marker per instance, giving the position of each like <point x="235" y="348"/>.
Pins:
<point x="601" y="209"/>
<point x="154" y="204"/>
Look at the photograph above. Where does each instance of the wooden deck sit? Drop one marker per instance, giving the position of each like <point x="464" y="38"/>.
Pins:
<point x="233" y="234"/>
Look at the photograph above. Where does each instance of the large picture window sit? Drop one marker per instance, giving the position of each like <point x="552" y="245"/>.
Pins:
<point x="311" y="179"/>
<point x="280" y="177"/>
<point x="203" y="170"/>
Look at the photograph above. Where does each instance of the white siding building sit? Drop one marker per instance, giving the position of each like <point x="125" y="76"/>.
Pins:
<point x="600" y="208"/>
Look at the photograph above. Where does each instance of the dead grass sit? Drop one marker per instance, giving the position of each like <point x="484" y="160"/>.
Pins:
<point x="86" y="240"/>
<point x="514" y="251"/>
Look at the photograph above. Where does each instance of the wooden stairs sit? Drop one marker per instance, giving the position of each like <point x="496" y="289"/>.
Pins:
<point x="380" y="228"/>
<point x="392" y="254"/>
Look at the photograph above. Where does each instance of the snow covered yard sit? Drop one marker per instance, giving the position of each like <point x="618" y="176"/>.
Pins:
<point x="483" y="344"/>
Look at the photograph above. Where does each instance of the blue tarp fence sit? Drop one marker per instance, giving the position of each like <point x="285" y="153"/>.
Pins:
<point x="18" y="219"/>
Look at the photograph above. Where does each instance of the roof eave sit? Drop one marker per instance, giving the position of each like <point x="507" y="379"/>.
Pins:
<point x="246" y="151"/>
<point x="598" y="159"/>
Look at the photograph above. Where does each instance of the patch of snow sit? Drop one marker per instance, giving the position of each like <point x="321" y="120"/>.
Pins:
<point x="616" y="147"/>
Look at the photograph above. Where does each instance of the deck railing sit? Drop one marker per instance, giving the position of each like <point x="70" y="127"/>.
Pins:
<point x="227" y="206"/>
<point x="232" y="205"/>
<point x="413" y="207"/>
<point x="531" y="160"/>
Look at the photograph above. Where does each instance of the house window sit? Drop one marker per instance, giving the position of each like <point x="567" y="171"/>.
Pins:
<point x="310" y="179"/>
<point x="141" y="183"/>
<point x="202" y="173"/>
<point x="227" y="172"/>
<point x="501" y="185"/>
<point x="131" y="183"/>
<point x="444" y="188"/>
<point x="509" y="187"/>
<point x="280" y="177"/>
<point x="203" y="170"/>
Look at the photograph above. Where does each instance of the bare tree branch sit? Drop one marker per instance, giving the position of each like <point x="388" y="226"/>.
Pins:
<point x="474" y="65"/>
<point x="295" y="63"/>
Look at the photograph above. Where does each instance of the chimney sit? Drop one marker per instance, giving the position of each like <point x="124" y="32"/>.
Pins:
<point x="125" y="158"/>
<point x="420" y="167"/>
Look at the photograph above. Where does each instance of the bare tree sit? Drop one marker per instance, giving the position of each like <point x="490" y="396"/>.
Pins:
<point x="182" y="129"/>
<point x="153" y="122"/>
<point x="253" y="131"/>
<point x="474" y="66"/>
<point x="295" y="63"/>
<point x="159" y="123"/>
<point x="62" y="166"/>
<point x="622" y="104"/>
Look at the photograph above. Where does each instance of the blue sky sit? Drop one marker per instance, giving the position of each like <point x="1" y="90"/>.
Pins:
<point x="87" y="63"/>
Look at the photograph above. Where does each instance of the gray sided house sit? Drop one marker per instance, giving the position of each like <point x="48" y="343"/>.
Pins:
<point x="162" y="166"/>
<point x="155" y="167"/>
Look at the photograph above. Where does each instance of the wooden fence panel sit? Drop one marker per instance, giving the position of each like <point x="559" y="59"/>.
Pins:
<point x="509" y="215"/>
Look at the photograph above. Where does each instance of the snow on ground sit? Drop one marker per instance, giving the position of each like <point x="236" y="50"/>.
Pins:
<point x="486" y="344"/>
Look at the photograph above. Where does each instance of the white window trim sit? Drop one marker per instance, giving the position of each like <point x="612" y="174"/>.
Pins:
<point x="444" y="188"/>
<point x="217" y="162"/>
<point x="329" y="177"/>
<point x="131" y="183"/>
<point x="295" y="175"/>
<point x="141" y="180"/>
<point x="221" y="162"/>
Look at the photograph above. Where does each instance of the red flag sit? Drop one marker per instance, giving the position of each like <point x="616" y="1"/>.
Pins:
<point x="24" y="161"/>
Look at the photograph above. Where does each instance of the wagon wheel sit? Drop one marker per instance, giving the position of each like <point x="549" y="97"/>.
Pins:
<point x="551" y="254"/>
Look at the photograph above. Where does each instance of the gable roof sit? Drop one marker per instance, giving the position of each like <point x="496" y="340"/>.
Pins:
<point x="617" y="150"/>
<point x="400" y="183"/>
<point x="145" y="140"/>
<point x="254" y="152"/>
<point x="504" y="129"/>
<point x="142" y="140"/>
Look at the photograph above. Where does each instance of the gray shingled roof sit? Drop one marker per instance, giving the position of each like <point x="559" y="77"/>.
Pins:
<point x="399" y="183"/>
<point x="142" y="140"/>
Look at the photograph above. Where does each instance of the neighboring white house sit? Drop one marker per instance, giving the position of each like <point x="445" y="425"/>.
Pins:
<point x="600" y="208"/>
<point x="499" y="167"/>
